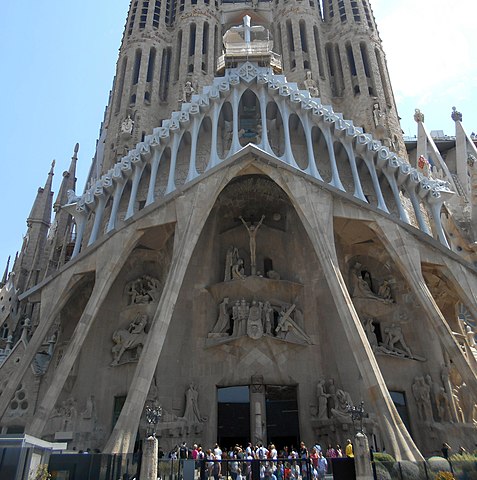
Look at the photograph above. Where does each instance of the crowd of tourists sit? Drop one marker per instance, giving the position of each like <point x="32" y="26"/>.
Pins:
<point x="284" y="464"/>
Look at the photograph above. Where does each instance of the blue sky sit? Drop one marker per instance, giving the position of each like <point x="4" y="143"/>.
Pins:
<point x="58" y="61"/>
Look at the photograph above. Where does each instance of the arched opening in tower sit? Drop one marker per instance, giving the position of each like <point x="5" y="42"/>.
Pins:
<point x="250" y="125"/>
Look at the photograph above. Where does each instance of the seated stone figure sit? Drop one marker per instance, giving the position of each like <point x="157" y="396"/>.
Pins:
<point x="238" y="270"/>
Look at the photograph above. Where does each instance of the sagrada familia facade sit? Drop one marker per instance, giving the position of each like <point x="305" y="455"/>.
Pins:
<point x="255" y="250"/>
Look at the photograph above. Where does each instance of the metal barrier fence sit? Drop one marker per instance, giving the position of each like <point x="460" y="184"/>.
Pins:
<point x="117" y="467"/>
<point x="79" y="466"/>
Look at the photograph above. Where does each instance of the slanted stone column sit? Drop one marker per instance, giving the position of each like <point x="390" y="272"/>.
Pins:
<point x="362" y="460"/>
<point x="315" y="206"/>
<point x="149" y="459"/>
<point x="473" y="193"/>
<point x="106" y="274"/>
<point x="48" y="314"/>
<point x="404" y="251"/>
<point x="192" y="213"/>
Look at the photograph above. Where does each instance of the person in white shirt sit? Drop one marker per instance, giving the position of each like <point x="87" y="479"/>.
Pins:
<point x="217" y="452"/>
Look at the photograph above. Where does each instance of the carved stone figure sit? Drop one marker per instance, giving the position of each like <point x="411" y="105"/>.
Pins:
<point x="236" y="319"/>
<point x="466" y="402"/>
<point x="394" y="338"/>
<point x="421" y="392"/>
<point x="267" y="318"/>
<point x="332" y="395"/>
<point x="384" y="291"/>
<point x="72" y="197"/>
<point x="143" y="290"/>
<point x="240" y="313"/>
<point x="127" y="125"/>
<point x="231" y="258"/>
<point x="443" y="406"/>
<point x="456" y="115"/>
<point x="378" y="115"/>
<point x="441" y="400"/>
<point x="69" y="412"/>
<point x="470" y="334"/>
<point x="133" y="337"/>
<point x="88" y="412"/>
<point x="322" y="397"/>
<point x="258" y="138"/>
<point x="227" y="136"/>
<point x="361" y="286"/>
<point x="311" y="85"/>
<point x="257" y="318"/>
<point x="238" y="271"/>
<point x="418" y="116"/>
<point x="192" y="412"/>
<point x="286" y="326"/>
<point x="370" y="334"/>
<point x="223" y="322"/>
<point x="252" y="232"/>
<point x="187" y="91"/>
<point x="340" y="412"/>
<point x="254" y="322"/>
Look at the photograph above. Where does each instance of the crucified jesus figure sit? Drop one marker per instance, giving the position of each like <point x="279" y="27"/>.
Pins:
<point x="252" y="232"/>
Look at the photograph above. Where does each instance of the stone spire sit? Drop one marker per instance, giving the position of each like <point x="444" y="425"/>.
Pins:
<point x="5" y="274"/>
<point x="68" y="182"/>
<point x="41" y="209"/>
<point x="466" y="166"/>
<point x="32" y="258"/>
<point x="461" y="152"/>
<point x="60" y="232"/>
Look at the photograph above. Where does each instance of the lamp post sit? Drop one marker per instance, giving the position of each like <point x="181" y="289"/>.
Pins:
<point x="362" y="461"/>
<point x="357" y="413"/>
<point x="153" y="414"/>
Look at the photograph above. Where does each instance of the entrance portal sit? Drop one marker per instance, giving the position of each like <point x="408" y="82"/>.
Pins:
<point x="274" y="406"/>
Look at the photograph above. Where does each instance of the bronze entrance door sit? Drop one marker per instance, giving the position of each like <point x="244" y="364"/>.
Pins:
<point x="233" y="425"/>
<point x="283" y="428"/>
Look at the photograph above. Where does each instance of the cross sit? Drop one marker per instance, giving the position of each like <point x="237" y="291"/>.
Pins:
<point x="247" y="29"/>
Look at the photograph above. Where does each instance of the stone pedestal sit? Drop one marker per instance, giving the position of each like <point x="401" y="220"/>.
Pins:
<point x="149" y="459"/>
<point x="362" y="461"/>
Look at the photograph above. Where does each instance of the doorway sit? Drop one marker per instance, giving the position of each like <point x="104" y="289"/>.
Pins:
<point x="233" y="416"/>
<point x="283" y="428"/>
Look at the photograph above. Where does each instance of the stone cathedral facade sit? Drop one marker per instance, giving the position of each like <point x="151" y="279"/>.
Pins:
<point x="253" y="251"/>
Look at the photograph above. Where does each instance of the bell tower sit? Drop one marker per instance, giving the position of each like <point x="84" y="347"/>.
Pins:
<point x="357" y="73"/>
<point x="165" y="45"/>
